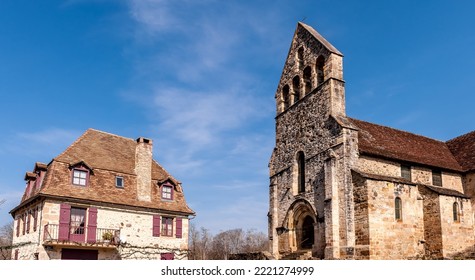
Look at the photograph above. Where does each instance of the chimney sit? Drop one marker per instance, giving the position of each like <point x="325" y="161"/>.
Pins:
<point x="143" y="168"/>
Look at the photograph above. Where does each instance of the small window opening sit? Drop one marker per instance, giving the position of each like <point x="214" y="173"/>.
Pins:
<point x="301" y="171"/>
<point x="437" y="178"/>
<point x="296" y="88"/>
<point x="119" y="181"/>
<point x="398" y="209"/>
<point x="456" y="212"/>
<point x="307" y="76"/>
<point x="320" y="73"/>
<point x="406" y="172"/>
<point x="285" y="96"/>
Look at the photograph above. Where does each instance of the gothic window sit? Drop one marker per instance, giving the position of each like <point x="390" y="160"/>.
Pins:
<point x="285" y="96"/>
<point x="307" y="77"/>
<point x="406" y="172"/>
<point x="320" y="73"/>
<point x="456" y="212"/>
<point x="437" y="178"/>
<point x="398" y="209"/>
<point x="296" y="88"/>
<point x="301" y="171"/>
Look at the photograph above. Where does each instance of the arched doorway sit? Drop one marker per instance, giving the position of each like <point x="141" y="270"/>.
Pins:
<point x="300" y="222"/>
<point x="307" y="237"/>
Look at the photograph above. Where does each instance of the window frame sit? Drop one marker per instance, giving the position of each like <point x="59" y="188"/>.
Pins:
<point x="164" y="195"/>
<point x="81" y="170"/>
<point x="456" y="212"/>
<point x="437" y="178"/>
<point x="121" y="178"/>
<point x="166" y="227"/>
<point x="398" y="209"/>
<point x="406" y="170"/>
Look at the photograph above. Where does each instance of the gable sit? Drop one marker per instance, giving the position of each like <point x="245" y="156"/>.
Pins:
<point x="463" y="149"/>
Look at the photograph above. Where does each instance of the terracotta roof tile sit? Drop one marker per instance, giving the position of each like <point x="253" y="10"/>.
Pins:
<point x="463" y="148"/>
<point x="108" y="155"/>
<point x="396" y="144"/>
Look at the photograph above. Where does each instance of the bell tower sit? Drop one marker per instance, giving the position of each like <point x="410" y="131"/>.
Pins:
<point x="304" y="193"/>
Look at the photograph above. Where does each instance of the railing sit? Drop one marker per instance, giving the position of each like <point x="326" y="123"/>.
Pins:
<point x="55" y="233"/>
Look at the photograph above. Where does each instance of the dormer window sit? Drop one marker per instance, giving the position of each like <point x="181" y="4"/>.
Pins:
<point x="167" y="192"/>
<point x="80" y="177"/>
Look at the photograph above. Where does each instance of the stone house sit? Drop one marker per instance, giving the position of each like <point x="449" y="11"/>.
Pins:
<point x="342" y="188"/>
<point x="104" y="197"/>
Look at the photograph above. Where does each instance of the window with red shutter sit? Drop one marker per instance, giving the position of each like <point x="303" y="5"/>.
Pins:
<point x="178" y="227"/>
<point x="35" y="218"/>
<point x="156" y="225"/>
<point x="64" y="218"/>
<point x="23" y="217"/>
<point x="28" y="220"/>
<point x="91" y="225"/>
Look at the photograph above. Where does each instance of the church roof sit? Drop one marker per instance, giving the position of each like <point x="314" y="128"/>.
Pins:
<point x="320" y="38"/>
<point x="396" y="144"/>
<point x="463" y="148"/>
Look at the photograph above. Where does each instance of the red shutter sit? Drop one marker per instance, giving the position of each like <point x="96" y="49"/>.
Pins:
<point x="64" y="218"/>
<point x="92" y="225"/>
<point x="35" y="219"/>
<point x="156" y="225"/>
<point x="24" y="223"/>
<point x="28" y="220"/>
<point x="178" y="227"/>
<point x="16" y="254"/>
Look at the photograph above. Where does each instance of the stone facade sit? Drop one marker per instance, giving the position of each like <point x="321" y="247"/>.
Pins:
<point x="341" y="188"/>
<point x="129" y="206"/>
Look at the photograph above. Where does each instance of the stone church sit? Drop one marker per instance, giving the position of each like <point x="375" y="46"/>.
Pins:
<point x="342" y="188"/>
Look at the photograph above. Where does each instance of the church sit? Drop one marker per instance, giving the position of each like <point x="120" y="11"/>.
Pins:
<point x="343" y="188"/>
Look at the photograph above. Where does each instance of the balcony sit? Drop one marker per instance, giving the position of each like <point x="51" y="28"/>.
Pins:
<point x="74" y="236"/>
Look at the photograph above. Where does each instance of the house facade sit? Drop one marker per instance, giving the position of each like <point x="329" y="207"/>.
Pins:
<point x="105" y="198"/>
<point x="342" y="188"/>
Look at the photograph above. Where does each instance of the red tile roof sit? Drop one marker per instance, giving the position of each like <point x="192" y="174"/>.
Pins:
<point x="396" y="144"/>
<point x="463" y="148"/>
<point x="108" y="155"/>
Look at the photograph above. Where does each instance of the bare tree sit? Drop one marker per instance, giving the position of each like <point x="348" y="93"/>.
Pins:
<point x="6" y="237"/>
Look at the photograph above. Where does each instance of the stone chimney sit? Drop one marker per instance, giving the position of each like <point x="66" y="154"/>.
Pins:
<point x="143" y="168"/>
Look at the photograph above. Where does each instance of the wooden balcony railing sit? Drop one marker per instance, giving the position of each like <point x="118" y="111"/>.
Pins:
<point x="74" y="234"/>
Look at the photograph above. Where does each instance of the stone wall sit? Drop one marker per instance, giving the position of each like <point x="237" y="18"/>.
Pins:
<point x="391" y="238"/>
<point x="135" y="227"/>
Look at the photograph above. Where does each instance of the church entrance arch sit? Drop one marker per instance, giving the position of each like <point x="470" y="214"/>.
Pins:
<point x="301" y="225"/>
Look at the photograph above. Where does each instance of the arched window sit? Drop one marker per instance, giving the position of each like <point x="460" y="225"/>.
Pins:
<point x="320" y="73"/>
<point x="300" y="56"/>
<point x="285" y="96"/>
<point x="296" y="88"/>
<point x="307" y="77"/>
<point x="398" y="209"/>
<point x="456" y="212"/>
<point x="301" y="171"/>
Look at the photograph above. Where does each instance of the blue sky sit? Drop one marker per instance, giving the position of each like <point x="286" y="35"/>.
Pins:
<point x="199" y="78"/>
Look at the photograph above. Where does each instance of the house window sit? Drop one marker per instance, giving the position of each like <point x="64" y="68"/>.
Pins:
<point x="167" y="192"/>
<point x="398" y="209"/>
<point x="406" y="172"/>
<point x="78" y="216"/>
<point x="456" y="212"/>
<point x="119" y="181"/>
<point x="80" y="177"/>
<point x="167" y="226"/>
<point x="436" y="178"/>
